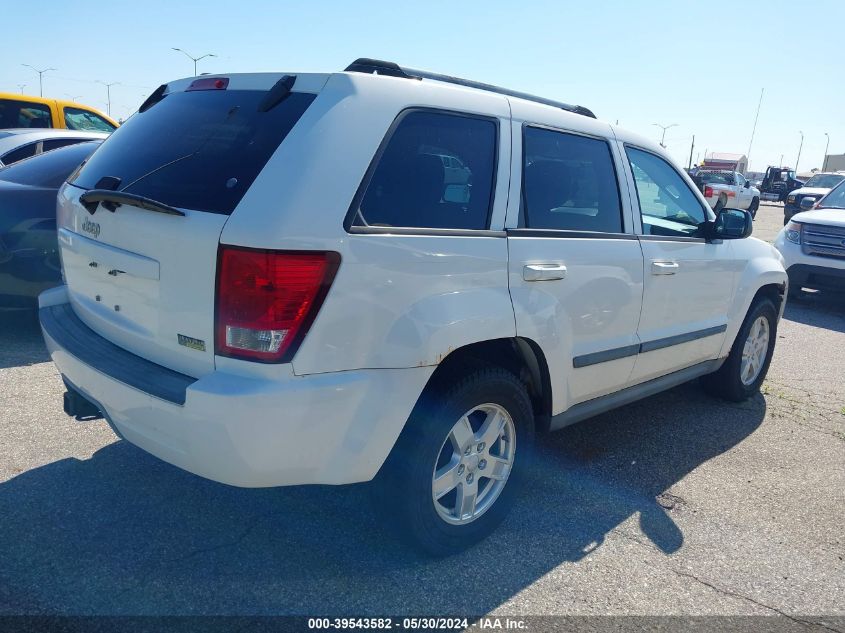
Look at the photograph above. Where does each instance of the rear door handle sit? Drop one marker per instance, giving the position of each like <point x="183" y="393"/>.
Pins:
<point x="543" y="272"/>
<point x="664" y="268"/>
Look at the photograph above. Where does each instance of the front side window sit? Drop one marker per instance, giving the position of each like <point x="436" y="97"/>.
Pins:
<point x="569" y="183"/>
<point x="14" y="113"/>
<point x="436" y="171"/>
<point x="77" y="119"/>
<point x="667" y="204"/>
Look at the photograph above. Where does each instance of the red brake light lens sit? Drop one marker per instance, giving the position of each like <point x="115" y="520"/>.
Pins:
<point x="209" y="83"/>
<point x="267" y="300"/>
<point x="708" y="191"/>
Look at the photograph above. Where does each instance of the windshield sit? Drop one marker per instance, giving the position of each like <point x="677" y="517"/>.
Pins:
<point x="49" y="169"/>
<point x="835" y="199"/>
<point x="197" y="150"/>
<point x="825" y="181"/>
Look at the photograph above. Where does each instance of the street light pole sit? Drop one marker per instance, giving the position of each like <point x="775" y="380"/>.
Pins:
<point x="40" y="73"/>
<point x="194" y="59"/>
<point x="691" y="147"/>
<point x="108" y="93"/>
<point x="21" y="86"/>
<point x="664" y="128"/>
<point x="826" y="146"/>
<point x="799" y="151"/>
<point x="754" y="129"/>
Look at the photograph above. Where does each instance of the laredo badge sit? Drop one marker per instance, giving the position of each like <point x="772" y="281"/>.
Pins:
<point x="192" y="343"/>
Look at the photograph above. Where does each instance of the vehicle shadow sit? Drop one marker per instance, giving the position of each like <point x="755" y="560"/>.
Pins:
<point x="20" y="339"/>
<point x="822" y="310"/>
<point x="123" y="533"/>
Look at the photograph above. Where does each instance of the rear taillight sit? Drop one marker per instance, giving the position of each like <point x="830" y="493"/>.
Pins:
<point x="267" y="300"/>
<point x="708" y="191"/>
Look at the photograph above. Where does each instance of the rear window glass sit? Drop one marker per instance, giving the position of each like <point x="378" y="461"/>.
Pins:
<point x="437" y="171"/>
<point x="716" y="177"/>
<point x="50" y="169"/>
<point x="197" y="150"/>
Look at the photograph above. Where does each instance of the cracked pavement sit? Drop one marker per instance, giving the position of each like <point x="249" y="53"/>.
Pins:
<point x="679" y="504"/>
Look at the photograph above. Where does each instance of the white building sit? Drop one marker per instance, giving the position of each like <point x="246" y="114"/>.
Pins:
<point x="726" y="161"/>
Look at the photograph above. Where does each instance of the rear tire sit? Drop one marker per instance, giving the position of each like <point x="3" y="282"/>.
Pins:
<point x="450" y="444"/>
<point x="741" y="375"/>
<point x="755" y="204"/>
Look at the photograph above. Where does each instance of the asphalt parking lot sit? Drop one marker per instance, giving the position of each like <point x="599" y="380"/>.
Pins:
<point x="679" y="504"/>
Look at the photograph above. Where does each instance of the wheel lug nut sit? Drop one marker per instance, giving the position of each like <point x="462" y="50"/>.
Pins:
<point x="482" y="464"/>
<point x="470" y="477"/>
<point x="468" y="450"/>
<point x="461" y="469"/>
<point x="481" y="446"/>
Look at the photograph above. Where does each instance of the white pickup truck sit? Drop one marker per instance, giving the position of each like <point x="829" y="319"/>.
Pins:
<point x="727" y="189"/>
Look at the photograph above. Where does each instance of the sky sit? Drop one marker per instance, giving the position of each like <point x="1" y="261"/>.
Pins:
<point x="698" y="65"/>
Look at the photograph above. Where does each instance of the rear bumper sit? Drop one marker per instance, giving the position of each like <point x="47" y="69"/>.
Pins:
<point x="332" y="428"/>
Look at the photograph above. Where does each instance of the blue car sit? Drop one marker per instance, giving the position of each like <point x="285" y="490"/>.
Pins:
<point x="29" y="257"/>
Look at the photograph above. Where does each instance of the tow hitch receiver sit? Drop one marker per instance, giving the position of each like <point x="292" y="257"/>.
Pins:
<point x="79" y="407"/>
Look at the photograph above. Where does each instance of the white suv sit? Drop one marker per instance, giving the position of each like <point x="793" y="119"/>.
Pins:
<point x="276" y="280"/>
<point x="813" y="245"/>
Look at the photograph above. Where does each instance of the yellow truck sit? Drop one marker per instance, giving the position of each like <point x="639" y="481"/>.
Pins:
<point x="21" y="111"/>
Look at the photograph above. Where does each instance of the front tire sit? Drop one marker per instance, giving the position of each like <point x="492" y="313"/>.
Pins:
<point x="456" y="468"/>
<point x="746" y="367"/>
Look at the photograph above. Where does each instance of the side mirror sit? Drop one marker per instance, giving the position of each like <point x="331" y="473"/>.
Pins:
<point x="731" y="224"/>
<point x="807" y="203"/>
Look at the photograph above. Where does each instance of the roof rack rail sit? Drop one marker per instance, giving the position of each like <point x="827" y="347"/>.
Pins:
<point x="392" y="69"/>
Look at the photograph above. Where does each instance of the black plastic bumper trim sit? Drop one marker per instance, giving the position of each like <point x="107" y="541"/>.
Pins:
<point x="62" y="325"/>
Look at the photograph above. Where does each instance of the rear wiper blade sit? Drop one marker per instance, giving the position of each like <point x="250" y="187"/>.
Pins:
<point x="113" y="199"/>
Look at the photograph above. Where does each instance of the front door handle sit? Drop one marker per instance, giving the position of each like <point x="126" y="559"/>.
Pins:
<point x="664" y="268"/>
<point x="543" y="272"/>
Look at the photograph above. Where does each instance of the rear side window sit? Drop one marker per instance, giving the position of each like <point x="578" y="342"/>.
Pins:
<point x="197" y="150"/>
<point x="56" y="143"/>
<point x="15" y="113"/>
<point x="24" y="151"/>
<point x="436" y="171"/>
<point x="569" y="183"/>
<point x="78" y="119"/>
